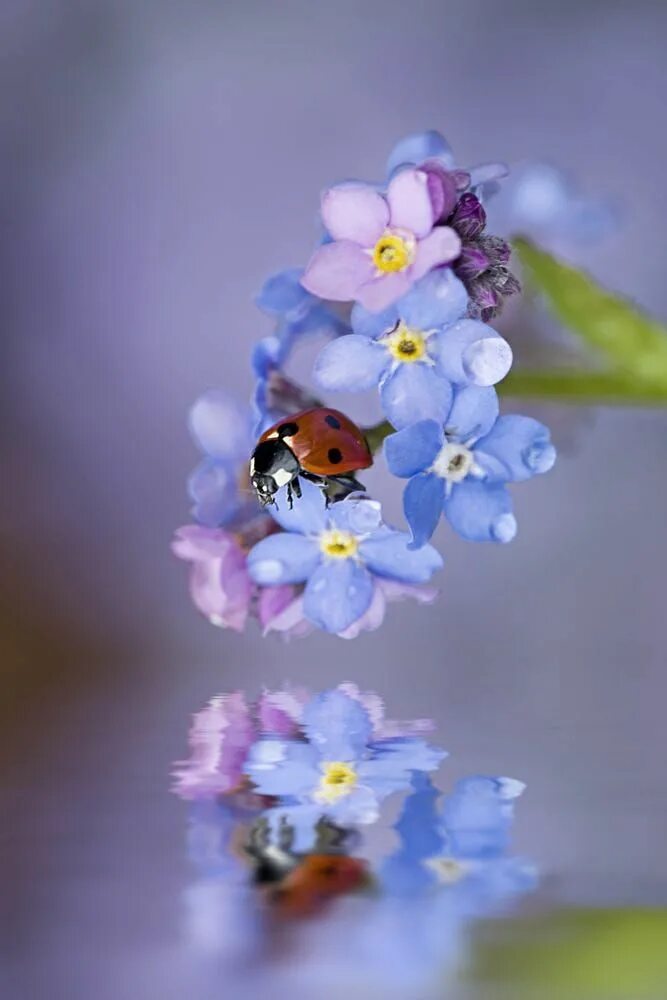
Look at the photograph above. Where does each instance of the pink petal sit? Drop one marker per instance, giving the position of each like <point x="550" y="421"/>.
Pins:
<point x="337" y="271"/>
<point x="279" y="712"/>
<point x="291" y="622"/>
<point x="371" y="619"/>
<point x="354" y="212"/>
<point x="220" y="737"/>
<point x="410" y="202"/>
<point x="195" y="542"/>
<point x="440" y="247"/>
<point x="272" y="600"/>
<point x="376" y="295"/>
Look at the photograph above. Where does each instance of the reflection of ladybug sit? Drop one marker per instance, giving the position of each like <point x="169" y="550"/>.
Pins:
<point x="321" y="445"/>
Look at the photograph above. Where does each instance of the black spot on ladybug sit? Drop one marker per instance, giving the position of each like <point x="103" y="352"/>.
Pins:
<point x="335" y="455"/>
<point x="332" y="421"/>
<point x="288" y="430"/>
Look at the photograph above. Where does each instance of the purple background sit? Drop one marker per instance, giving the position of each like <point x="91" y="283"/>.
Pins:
<point x="159" y="159"/>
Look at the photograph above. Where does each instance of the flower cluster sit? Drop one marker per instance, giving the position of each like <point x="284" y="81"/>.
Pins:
<point x="402" y="286"/>
<point x="295" y="775"/>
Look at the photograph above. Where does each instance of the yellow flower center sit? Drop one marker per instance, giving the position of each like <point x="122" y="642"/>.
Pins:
<point x="392" y="253"/>
<point x="338" y="544"/>
<point x="405" y="344"/>
<point x="447" y="870"/>
<point x="337" y="781"/>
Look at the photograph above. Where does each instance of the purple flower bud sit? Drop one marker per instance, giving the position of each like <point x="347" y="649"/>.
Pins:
<point x="468" y="218"/>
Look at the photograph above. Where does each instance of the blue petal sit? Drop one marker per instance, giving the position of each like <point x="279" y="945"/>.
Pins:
<point x="393" y="762"/>
<point x="414" y="392"/>
<point x="478" y="815"/>
<point x="219" y="425"/>
<point x="422" y="504"/>
<point x="283" y="558"/>
<point x="470" y="352"/>
<point x="356" y="514"/>
<point x="515" y="449"/>
<point x="373" y="324"/>
<point x="337" y="594"/>
<point x="439" y="299"/>
<point x="360" y="806"/>
<point x="283" y="295"/>
<point x="350" y="364"/>
<point x="387" y="554"/>
<point x="267" y="354"/>
<point x="418" y="147"/>
<point x="481" y="512"/>
<point x="280" y="767"/>
<point x="308" y="515"/>
<point x="474" y="412"/>
<point x="337" y="725"/>
<point x="213" y="486"/>
<point x="413" y="449"/>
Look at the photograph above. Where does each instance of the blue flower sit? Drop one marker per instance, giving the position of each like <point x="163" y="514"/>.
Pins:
<point x="222" y="430"/>
<point x="461" y="469"/>
<point x="432" y="147"/>
<point x="415" y="350"/>
<point x="298" y="314"/>
<point x="338" y="770"/>
<point x="336" y="552"/>
<point x="474" y="863"/>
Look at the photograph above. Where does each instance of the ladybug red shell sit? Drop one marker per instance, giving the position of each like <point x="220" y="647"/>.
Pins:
<point x="320" y="444"/>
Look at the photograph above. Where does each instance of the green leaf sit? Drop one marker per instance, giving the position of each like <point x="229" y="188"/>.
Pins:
<point x="627" y="337"/>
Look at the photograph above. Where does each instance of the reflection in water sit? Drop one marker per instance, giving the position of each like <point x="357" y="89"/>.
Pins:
<point x="271" y="907"/>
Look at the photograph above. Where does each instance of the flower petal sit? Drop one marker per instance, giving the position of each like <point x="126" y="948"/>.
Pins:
<point x="337" y="271"/>
<point x="291" y="621"/>
<point x="393" y="761"/>
<point x="481" y="512"/>
<point x="474" y="412"/>
<point x="414" y="448"/>
<point x="283" y="558"/>
<point x="213" y="487"/>
<point x="410" y="202"/>
<point x="415" y="392"/>
<point x="380" y="292"/>
<point x="282" y="767"/>
<point x="219" y="425"/>
<point x="387" y="553"/>
<point x="196" y="542"/>
<point x="418" y="147"/>
<point x="515" y="449"/>
<point x="422" y="503"/>
<point x="282" y="294"/>
<point x="307" y="516"/>
<point x="471" y="352"/>
<point x="360" y="806"/>
<point x="350" y="364"/>
<point x="440" y="247"/>
<point x="337" y="725"/>
<point x="357" y="514"/>
<point x="372" y="617"/>
<point x="337" y="594"/>
<point x="354" y="212"/>
<point x="438" y="299"/>
<point x="373" y="324"/>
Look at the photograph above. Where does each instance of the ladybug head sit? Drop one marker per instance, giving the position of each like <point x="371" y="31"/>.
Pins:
<point x="272" y="465"/>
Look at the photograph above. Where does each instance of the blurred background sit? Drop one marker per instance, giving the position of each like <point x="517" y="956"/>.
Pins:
<point x="159" y="160"/>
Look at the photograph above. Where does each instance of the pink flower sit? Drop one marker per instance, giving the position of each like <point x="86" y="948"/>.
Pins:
<point x="381" y="244"/>
<point x="221" y="736"/>
<point x="220" y="585"/>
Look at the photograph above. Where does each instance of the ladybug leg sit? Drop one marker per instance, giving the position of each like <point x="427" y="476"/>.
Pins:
<point x="296" y="486"/>
<point x="348" y="484"/>
<point x="290" y="498"/>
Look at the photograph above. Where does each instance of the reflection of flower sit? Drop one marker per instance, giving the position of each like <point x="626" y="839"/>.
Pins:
<point x="414" y="350"/>
<point x="221" y="735"/>
<point x="337" y="552"/>
<point x="462" y="469"/>
<point x="380" y="245"/>
<point x="340" y="771"/>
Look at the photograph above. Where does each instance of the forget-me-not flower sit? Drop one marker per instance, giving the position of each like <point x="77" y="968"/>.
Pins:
<point x="462" y="468"/>
<point x="430" y="149"/>
<point x="336" y="552"/>
<point x="339" y="770"/>
<point x="415" y="350"/>
<point x="380" y="245"/>
<point x="221" y="428"/>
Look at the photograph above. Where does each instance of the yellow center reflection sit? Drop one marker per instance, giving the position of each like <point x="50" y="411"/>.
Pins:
<point x="337" y="781"/>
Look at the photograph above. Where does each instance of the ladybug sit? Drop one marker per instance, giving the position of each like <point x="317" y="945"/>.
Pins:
<point x="320" y="444"/>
